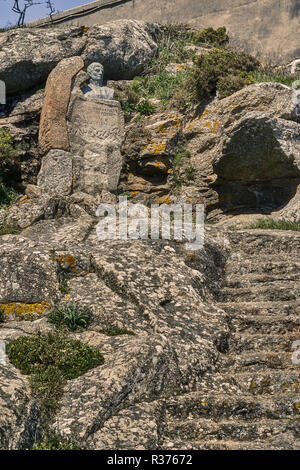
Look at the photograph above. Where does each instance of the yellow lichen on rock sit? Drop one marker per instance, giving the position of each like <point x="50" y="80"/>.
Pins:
<point x="19" y="308"/>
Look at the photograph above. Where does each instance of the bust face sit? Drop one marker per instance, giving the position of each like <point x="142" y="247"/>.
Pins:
<point x="96" y="72"/>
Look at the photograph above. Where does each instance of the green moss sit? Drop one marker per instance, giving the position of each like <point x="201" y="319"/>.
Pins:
<point x="6" y="229"/>
<point x="271" y="224"/>
<point x="216" y="37"/>
<point x="54" y="441"/>
<point x="116" y="332"/>
<point x="73" y="316"/>
<point x="50" y="359"/>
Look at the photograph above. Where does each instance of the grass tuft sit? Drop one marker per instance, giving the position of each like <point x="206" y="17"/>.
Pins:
<point x="74" y="316"/>
<point x="271" y="224"/>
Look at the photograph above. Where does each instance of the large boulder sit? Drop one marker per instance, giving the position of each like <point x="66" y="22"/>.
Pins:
<point x="53" y="132"/>
<point x="245" y="149"/>
<point x="27" y="56"/>
<point x="124" y="47"/>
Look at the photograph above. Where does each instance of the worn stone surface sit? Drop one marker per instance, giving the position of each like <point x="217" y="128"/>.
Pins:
<point x="96" y="133"/>
<point x="56" y="174"/>
<point x="27" y="56"/>
<point x="53" y="133"/>
<point x="123" y="47"/>
<point x="19" y="415"/>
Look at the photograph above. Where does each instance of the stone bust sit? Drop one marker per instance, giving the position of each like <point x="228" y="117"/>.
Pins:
<point x="95" y="88"/>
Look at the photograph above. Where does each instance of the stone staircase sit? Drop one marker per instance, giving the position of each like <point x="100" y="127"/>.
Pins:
<point x="253" y="400"/>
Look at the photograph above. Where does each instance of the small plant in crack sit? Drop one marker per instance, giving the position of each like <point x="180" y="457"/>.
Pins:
<point x="73" y="316"/>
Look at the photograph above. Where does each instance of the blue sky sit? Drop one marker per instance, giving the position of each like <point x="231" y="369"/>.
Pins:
<point x="35" y="12"/>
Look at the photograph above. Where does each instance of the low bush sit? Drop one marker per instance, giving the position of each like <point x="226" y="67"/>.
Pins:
<point x="54" y="441"/>
<point x="50" y="359"/>
<point x="73" y="316"/>
<point x="8" y="156"/>
<point x="216" y="37"/>
<point x="226" y="69"/>
<point x="8" y="195"/>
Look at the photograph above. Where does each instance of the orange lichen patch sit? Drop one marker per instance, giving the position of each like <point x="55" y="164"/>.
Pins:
<point x="164" y="200"/>
<point x="25" y="200"/>
<point x="216" y="126"/>
<point x="66" y="261"/>
<point x="156" y="148"/>
<point x="19" y="308"/>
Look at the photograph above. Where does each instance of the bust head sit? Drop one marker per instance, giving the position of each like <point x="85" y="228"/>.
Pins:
<point x="96" y="72"/>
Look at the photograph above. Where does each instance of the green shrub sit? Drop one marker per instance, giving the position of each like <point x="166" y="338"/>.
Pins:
<point x="213" y="67"/>
<point x="53" y="441"/>
<point x="8" y="161"/>
<point x="271" y="224"/>
<point x="73" y="316"/>
<point x="145" y="108"/>
<point x="50" y="359"/>
<point x="229" y="84"/>
<point x="7" y="195"/>
<point x="215" y="37"/>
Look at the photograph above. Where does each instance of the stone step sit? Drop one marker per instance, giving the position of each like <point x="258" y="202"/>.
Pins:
<point x="265" y="324"/>
<point x="280" y="243"/>
<point x="283" y="309"/>
<point x="260" y="293"/>
<point x="207" y="429"/>
<point x="257" y="361"/>
<point x="197" y="405"/>
<point x="240" y="343"/>
<point x="285" y="442"/>
<point x="267" y="382"/>
<point x="262" y="268"/>
<point x="272" y="284"/>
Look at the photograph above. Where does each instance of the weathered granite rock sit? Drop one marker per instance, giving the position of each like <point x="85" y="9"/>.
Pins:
<point x="53" y="133"/>
<point x="56" y="174"/>
<point x="211" y="136"/>
<point x="19" y="415"/>
<point x="123" y="47"/>
<point x="28" y="55"/>
<point x="21" y="119"/>
<point x="260" y="148"/>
